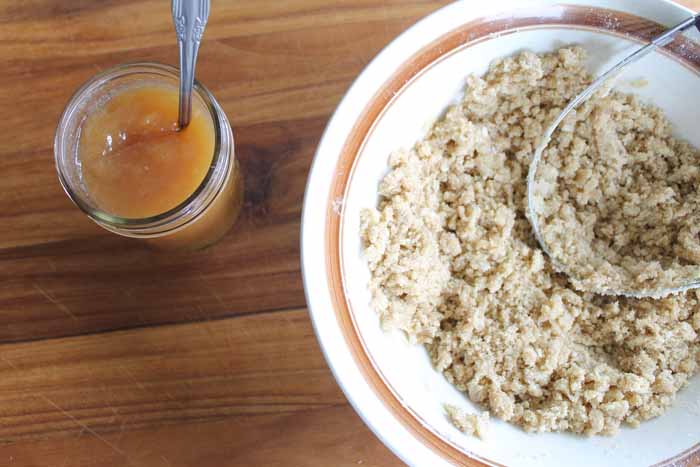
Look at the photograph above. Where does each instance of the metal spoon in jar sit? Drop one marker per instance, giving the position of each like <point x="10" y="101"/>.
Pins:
<point x="190" y="19"/>
<point x="533" y="208"/>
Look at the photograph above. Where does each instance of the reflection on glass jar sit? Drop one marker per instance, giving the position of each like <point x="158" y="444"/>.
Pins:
<point x="121" y="158"/>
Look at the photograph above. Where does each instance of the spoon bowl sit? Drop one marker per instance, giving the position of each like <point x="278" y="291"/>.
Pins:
<point x="534" y="207"/>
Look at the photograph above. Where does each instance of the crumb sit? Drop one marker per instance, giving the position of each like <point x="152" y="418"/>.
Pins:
<point x="337" y="205"/>
<point x="638" y="83"/>
<point x="467" y="423"/>
<point x="455" y="266"/>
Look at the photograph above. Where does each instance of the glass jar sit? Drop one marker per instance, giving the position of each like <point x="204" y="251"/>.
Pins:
<point x="201" y="219"/>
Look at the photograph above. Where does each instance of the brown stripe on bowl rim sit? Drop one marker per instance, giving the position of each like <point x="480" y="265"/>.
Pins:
<point x="571" y="16"/>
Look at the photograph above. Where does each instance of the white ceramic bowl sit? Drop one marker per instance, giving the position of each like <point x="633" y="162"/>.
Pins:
<point x="391" y="384"/>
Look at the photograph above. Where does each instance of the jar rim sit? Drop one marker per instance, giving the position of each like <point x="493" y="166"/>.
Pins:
<point x="185" y="211"/>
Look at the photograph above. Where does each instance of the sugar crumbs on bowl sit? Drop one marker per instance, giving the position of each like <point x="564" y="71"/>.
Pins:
<point x="455" y="266"/>
<point x="468" y="423"/>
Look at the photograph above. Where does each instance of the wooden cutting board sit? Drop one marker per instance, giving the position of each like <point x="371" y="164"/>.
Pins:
<point x="112" y="355"/>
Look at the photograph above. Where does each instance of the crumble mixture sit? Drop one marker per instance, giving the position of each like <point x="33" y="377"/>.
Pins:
<point x="618" y="199"/>
<point x="455" y="265"/>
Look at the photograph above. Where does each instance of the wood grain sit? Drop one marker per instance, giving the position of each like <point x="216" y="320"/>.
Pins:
<point x="267" y="362"/>
<point x="238" y="391"/>
<point x="113" y="355"/>
<point x="326" y="437"/>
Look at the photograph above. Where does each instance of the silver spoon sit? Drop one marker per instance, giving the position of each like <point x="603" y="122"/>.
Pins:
<point x="532" y="212"/>
<point x="190" y="18"/>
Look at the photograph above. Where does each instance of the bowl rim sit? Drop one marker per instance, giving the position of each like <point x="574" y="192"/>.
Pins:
<point x="346" y="355"/>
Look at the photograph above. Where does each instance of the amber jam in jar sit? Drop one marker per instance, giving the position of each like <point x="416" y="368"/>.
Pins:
<point x="122" y="159"/>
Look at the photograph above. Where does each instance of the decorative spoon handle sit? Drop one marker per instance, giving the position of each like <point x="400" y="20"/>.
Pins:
<point x="190" y="19"/>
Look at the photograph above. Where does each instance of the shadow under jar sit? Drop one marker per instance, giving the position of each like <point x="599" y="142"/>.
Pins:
<point x="122" y="160"/>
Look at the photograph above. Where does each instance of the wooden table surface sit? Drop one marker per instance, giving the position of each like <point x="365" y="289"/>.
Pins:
<point x="114" y="355"/>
